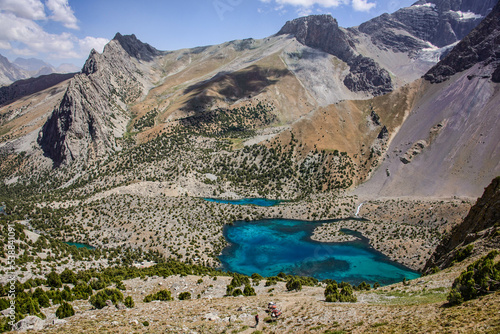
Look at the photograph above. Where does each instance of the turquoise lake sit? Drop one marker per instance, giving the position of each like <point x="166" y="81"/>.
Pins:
<point x="246" y="201"/>
<point x="79" y="245"/>
<point x="271" y="246"/>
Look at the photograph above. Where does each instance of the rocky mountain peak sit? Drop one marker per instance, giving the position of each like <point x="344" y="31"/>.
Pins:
<point x="323" y="32"/>
<point x="320" y="32"/>
<point x="439" y="22"/>
<point x="482" y="45"/>
<point x="472" y="6"/>
<point x="135" y="48"/>
<point x="91" y="114"/>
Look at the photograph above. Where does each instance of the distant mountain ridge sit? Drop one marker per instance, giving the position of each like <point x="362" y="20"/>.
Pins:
<point x="23" y="68"/>
<point x="334" y="89"/>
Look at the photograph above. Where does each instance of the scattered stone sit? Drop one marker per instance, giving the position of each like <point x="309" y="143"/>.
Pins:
<point x="211" y="317"/>
<point x="29" y="323"/>
<point x="121" y="306"/>
<point x="58" y="321"/>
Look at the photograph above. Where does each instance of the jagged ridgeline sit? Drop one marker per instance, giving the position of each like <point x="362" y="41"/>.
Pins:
<point x="387" y="130"/>
<point x="341" y="93"/>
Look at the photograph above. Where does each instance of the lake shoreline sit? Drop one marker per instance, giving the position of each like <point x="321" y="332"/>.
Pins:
<point x="270" y="246"/>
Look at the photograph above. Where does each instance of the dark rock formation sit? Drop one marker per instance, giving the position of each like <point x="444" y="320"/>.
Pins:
<point x="30" y="86"/>
<point x="481" y="223"/>
<point x="366" y="75"/>
<point x="85" y="123"/>
<point x="323" y="32"/>
<point x="383" y="134"/>
<point x="135" y="48"/>
<point x="482" y="45"/>
<point x="440" y="22"/>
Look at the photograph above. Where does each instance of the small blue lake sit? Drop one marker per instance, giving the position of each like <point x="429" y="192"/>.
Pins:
<point x="79" y="245"/>
<point x="246" y="201"/>
<point x="271" y="246"/>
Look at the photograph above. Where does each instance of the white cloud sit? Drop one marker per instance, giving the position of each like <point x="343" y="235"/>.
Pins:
<point x="362" y="5"/>
<point x="18" y="30"/>
<point x="21" y="34"/>
<point x="62" y="12"/>
<point x="27" y="9"/>
<point x="304" y="11"/>
<point x="89" y="43"/>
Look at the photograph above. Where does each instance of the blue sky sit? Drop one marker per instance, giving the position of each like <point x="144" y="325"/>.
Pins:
<point x="64" y="31"/>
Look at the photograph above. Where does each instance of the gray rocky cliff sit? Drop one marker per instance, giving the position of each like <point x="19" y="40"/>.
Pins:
<point x="481" y="223"/>
<point x="323" y="32"/>
<point x="93" y="111"/>
<point x="439" y="22"/>
<point x="482" y="45"/>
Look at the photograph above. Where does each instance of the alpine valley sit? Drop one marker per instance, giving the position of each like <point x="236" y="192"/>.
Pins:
<point x="382" y="137"/>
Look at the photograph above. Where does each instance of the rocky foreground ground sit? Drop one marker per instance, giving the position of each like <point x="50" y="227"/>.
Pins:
<point x="417" y="307"/>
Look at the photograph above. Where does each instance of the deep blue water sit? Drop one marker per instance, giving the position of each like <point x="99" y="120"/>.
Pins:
<point x="246" y="201"/>
<point x="79" y="245"/>
<point x="271" y="246"/>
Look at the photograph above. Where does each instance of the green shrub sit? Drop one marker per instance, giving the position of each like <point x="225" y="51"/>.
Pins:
<point x="55" y="296"/>
<point x="480" y="278"/>
<point x="271" y="281"/>
<point x="65" y="310"/>
<point x="237" y="292"/>
<point x="66" y="294"/>
<point x="294" y="284"/>
<point x="82" y="291"/>
<point x="249" y="291"/>
<point x="99" y="300"/>
<point x="333" y="294"/>
<point x="463" y="253"/>
<point x="54" y="280"/>
<point x="364" y="286"/>
<point x="185" y="295"/>
<point x="163" y="295"/>
<point x="68" y="276"/>
<point x="129" y="302"/>
<point x="41" y="297"/>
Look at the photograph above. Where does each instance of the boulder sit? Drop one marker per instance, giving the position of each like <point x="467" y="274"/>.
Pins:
<point x="211" y="317"/>
<point x="29" y="323"/>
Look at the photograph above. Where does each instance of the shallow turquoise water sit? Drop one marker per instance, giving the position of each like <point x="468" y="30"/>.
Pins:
<point x="246" y="201"/>
<point x="271" y="246"/>
<point x="79" y="245"/>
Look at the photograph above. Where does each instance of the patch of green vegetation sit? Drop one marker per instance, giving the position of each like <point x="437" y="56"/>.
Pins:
<point x="146" y="121"/>
<point x="424" y="296"/>
<point x="480" y="278"/>
<point x="463" y="253"/>
<point x="163" y="295"/>
<point x="233" y="123"/>
<point x="339" y="293"/>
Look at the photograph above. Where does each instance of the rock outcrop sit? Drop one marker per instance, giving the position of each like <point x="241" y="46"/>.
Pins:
<point x="93" y="112"/>
<point x="482" y="45"/>
<point x="29" y="323"/>
<point x="481" y="223"/>
<point x="439" y="22"/>
<point x="323" y="32"/>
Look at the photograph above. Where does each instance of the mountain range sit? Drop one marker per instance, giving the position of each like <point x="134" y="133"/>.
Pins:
<point x="356" y="90"/>
<point x="381" y="135"/>
<point x="23" y="68"/>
